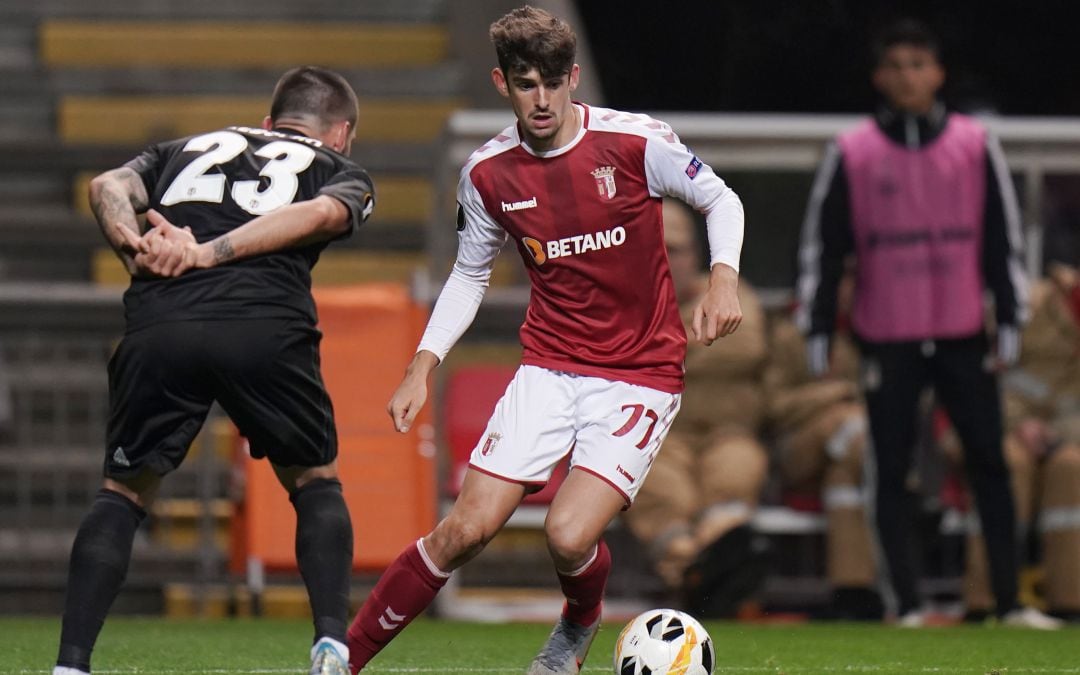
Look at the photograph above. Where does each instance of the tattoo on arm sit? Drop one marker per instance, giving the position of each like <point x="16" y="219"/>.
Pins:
<point x="115" y="198"/>
<point x="223" y="250"/>
<point x="136" y="190"/>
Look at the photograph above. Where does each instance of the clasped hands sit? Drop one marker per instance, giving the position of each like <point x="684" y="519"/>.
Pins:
<point x="164" y="250"/>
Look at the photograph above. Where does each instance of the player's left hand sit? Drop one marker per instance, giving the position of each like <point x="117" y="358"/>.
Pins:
<point x="718" y="313"/>
<point x="166" y="250"/>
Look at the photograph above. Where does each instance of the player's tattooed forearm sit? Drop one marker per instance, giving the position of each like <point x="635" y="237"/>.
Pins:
<point x="112" y="209"/>
<point x="223" y="250"/>
<point x="135" y="189"/>
<point x="115" y="198"/>
<point x="108" y="205"/>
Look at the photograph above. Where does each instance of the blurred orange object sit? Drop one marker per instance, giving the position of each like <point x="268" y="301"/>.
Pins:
<point x="370" y="333"/>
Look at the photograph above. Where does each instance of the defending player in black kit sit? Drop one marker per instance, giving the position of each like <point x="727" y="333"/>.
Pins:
<point x="220" y="309"/>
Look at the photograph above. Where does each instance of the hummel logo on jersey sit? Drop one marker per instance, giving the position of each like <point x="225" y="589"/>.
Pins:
<point x="518" y="206"/>
<point x="120" y="458"/>
<point x="389" y="620"/>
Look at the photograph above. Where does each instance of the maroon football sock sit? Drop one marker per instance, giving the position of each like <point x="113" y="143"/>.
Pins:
<point x="584" y="590"/>
<point x="405" y="590"/>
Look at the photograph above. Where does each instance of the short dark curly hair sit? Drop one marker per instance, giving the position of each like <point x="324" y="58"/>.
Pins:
<point x="528" y="38"/>
<point x="905" y="32"/>
<point x="315" y="91"/>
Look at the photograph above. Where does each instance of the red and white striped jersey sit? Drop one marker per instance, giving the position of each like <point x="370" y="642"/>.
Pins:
<point x="586" y="220"/>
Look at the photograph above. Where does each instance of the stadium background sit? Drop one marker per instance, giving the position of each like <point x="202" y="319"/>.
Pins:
<point x="86" y="85"/>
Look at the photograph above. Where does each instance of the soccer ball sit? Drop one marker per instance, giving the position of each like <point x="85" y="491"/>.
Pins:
<point x="664" y="642"/>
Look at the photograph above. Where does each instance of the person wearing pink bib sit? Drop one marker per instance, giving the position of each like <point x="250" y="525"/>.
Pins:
<point x="921" y="199"/>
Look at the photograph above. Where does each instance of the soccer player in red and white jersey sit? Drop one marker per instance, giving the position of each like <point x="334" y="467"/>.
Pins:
<point x="579" y="189"/>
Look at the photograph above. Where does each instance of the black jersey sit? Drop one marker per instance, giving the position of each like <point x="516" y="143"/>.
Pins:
<point x="218" y="181"/>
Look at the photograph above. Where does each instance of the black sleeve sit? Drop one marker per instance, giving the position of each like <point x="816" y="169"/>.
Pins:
<point x="1002" y="240"/>
<point x="353" y="188"/>
<point x="825" y="243"/>
<point x="148" y="165"/>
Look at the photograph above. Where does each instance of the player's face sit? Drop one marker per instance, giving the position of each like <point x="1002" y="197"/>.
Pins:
<point x="542" y="105"/>
<point x="909" y="77"/>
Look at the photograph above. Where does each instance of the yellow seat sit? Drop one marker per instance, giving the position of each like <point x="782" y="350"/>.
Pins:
<point x="188" y="601"/>
<point x="179" y="522"/>
<point x="74" y="43"/>
<point x="138" y="119"/>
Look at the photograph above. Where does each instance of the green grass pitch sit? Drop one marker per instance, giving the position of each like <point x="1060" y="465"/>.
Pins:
<point x="152" y="645"/>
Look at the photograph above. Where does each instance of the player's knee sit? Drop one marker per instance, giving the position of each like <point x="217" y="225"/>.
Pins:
<point x="568" y="543"/>
<point x="568" y="551"/>
<point x="320" y="504"/>
<point x="104" y="539"/>
<point x="140" y="490"/>
<point x="459" y="539"/>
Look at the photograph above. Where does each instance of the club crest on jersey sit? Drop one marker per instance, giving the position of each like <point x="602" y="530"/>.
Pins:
<point x="489" y="445"/>
<point x="605" y="181"/>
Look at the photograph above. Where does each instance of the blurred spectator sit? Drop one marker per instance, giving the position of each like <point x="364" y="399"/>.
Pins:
<point x="1042" y="448"/>
<point x="923" y="201"/>
<point x="705" y="483"/>
<point x="821" y="436"/>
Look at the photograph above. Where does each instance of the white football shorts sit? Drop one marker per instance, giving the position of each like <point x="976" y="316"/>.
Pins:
<point x="612" y="429"/>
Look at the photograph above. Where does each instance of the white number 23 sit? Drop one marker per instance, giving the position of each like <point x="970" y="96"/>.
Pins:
<point x="193" y="184"/>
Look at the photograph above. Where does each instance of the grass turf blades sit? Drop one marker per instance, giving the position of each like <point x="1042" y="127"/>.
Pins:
<point x="211" y="646"/>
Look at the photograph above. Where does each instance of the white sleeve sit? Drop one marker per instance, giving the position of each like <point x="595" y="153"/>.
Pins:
<point x="480" y="239"/>
<point x="672" y="170"/>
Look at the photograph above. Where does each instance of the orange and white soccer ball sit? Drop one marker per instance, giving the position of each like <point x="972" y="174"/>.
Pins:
<point x="664" y="642"/>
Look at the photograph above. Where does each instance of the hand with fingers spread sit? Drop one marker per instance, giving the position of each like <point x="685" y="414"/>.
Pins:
<point x="718" y="314"/>
<point x="166" y="250"/>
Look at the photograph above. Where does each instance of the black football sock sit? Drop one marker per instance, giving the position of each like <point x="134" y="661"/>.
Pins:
<point x="99" y="563"/>
<point x="324" y="552"/>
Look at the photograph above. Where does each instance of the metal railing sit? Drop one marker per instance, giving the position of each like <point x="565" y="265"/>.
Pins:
<point x="1034" y="149"/>
<point x="55" y="343"/>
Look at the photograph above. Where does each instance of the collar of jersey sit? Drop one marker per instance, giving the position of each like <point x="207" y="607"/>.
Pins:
<point x="913" y="131"/>
<point x="584" y="110"/>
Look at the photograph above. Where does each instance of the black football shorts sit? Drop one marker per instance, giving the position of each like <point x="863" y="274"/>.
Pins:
<point x="264" y="373"/>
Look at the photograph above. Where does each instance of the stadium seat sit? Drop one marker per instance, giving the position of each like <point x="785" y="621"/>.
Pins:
<point x="138" y="119"/>
<point x="236" y="44"/>
<point x="469" y="398"/>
